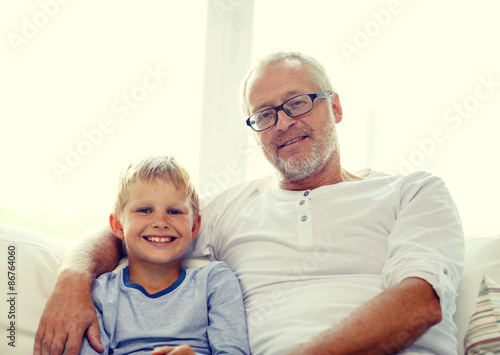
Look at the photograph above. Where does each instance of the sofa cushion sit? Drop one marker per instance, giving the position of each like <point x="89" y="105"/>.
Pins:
<point x="482" y="258"/>
<point x="38" y="256"/>
<point x="35" y="259"/>
<point x="483" y="334"/>
<point x="33" y="262"/>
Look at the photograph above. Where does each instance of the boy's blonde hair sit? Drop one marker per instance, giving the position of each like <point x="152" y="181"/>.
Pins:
<point x="165" y="168"/>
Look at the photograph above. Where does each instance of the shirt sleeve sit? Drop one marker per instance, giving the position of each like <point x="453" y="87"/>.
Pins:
<point x="215" y="209"/>
<point x="227" y="329"/>
<point x="200" y="247"/>
<point x="427" y="239"/>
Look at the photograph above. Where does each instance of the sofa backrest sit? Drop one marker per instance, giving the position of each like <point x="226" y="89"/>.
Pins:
<point x="37" y="256"/>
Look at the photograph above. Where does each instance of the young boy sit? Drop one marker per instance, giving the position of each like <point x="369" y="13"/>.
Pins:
<point x="153" y="302"/>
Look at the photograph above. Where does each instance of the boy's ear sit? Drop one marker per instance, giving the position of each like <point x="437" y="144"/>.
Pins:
<point x="116" y="226"/>
<point x="196" y="227"/>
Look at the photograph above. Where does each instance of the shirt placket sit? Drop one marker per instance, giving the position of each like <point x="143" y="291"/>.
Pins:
<point x="304" y="218"/>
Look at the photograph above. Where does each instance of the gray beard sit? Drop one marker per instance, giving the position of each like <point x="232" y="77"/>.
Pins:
<point x="324" y="147"/>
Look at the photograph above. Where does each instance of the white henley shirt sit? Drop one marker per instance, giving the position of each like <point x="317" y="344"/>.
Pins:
<point x="307" y="259"/>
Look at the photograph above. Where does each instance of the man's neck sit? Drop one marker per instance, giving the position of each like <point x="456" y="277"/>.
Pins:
<point x="326" y="176"/>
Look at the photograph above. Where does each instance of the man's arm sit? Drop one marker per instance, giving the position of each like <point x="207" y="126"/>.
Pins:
<point x="69" y="311"/>
<point x="389" y="323"/>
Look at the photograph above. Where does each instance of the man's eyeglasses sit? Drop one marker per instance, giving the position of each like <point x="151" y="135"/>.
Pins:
<point x="294" y="107"/>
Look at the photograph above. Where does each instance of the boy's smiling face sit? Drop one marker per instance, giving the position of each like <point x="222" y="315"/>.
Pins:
<point x="157" y="223"/>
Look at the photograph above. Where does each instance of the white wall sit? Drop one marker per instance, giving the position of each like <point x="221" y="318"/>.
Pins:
<point x="112" y="81"/>
<point x="419" y="82"/>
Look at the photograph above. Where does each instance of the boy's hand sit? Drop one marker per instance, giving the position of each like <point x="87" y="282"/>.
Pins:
<point x="173" y="350"/>
<point x="68" y="314"/>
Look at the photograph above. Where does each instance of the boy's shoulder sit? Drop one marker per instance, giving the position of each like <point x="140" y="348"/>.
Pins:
<point x="213" y="271"/>
<point x="108" y="280"/>
<point x="111" y="276"/>
<point x="211" y="266"/>
<point x="216" y="277"/>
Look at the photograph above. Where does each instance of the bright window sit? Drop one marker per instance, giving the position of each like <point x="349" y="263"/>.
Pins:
<point x="419" y="83"/>
<point x="87" y="87"/>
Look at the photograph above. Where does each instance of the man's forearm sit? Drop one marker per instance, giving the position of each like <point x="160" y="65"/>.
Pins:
<point x="93" y="254"/>
<point x="388" y="324"/>
<point x="69" y="312"/>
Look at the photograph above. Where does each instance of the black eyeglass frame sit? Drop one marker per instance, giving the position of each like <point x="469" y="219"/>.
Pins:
<point x="313" y="96"/>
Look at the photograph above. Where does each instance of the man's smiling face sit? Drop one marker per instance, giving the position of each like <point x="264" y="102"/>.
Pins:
<point x="296" y="147"/>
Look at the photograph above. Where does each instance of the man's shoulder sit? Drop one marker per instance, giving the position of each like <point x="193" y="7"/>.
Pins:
<point x="418" y="179"/>
<point x="407" y="184"/>
<point x="407" y="177"/>
<point x="258" y="184"/>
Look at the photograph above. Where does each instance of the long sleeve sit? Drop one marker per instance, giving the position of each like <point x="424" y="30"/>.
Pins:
<point x="86" y="348"/>
<point x="227" y="330"/>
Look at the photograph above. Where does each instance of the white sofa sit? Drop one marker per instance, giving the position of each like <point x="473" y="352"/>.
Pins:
<point x="35" y="258"/>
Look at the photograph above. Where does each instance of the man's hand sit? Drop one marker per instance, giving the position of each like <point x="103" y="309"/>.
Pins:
<point x="173" y="350"/>
<point x="68" y="314"/>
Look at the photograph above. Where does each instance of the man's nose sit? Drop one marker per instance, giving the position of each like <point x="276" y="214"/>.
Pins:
<point x="284" y="121"/>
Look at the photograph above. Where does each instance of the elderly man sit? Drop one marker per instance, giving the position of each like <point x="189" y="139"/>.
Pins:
<point x="329" y="262"/>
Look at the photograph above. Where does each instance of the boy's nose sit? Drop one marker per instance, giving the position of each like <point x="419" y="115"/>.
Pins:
<point x="161" y="222"/>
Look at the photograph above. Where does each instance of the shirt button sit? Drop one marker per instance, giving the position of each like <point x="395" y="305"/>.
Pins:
<point x="303" y="218"/>
<point x="445" y="271"/>
<point x="306" y="193"/>
<point x="302" y="202"/>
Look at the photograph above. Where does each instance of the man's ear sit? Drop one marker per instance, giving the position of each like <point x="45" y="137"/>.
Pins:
<point x="196" y="227"/>
<point x="337" y="108"/>
<point x="256" y="138"/>
<point x="116" y="226"/>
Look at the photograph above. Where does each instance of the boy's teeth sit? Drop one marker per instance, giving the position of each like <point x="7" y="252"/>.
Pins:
<point x="159" y="240"/>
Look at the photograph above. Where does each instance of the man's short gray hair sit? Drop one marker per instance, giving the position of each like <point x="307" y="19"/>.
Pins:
<point x="316" y="71"/>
